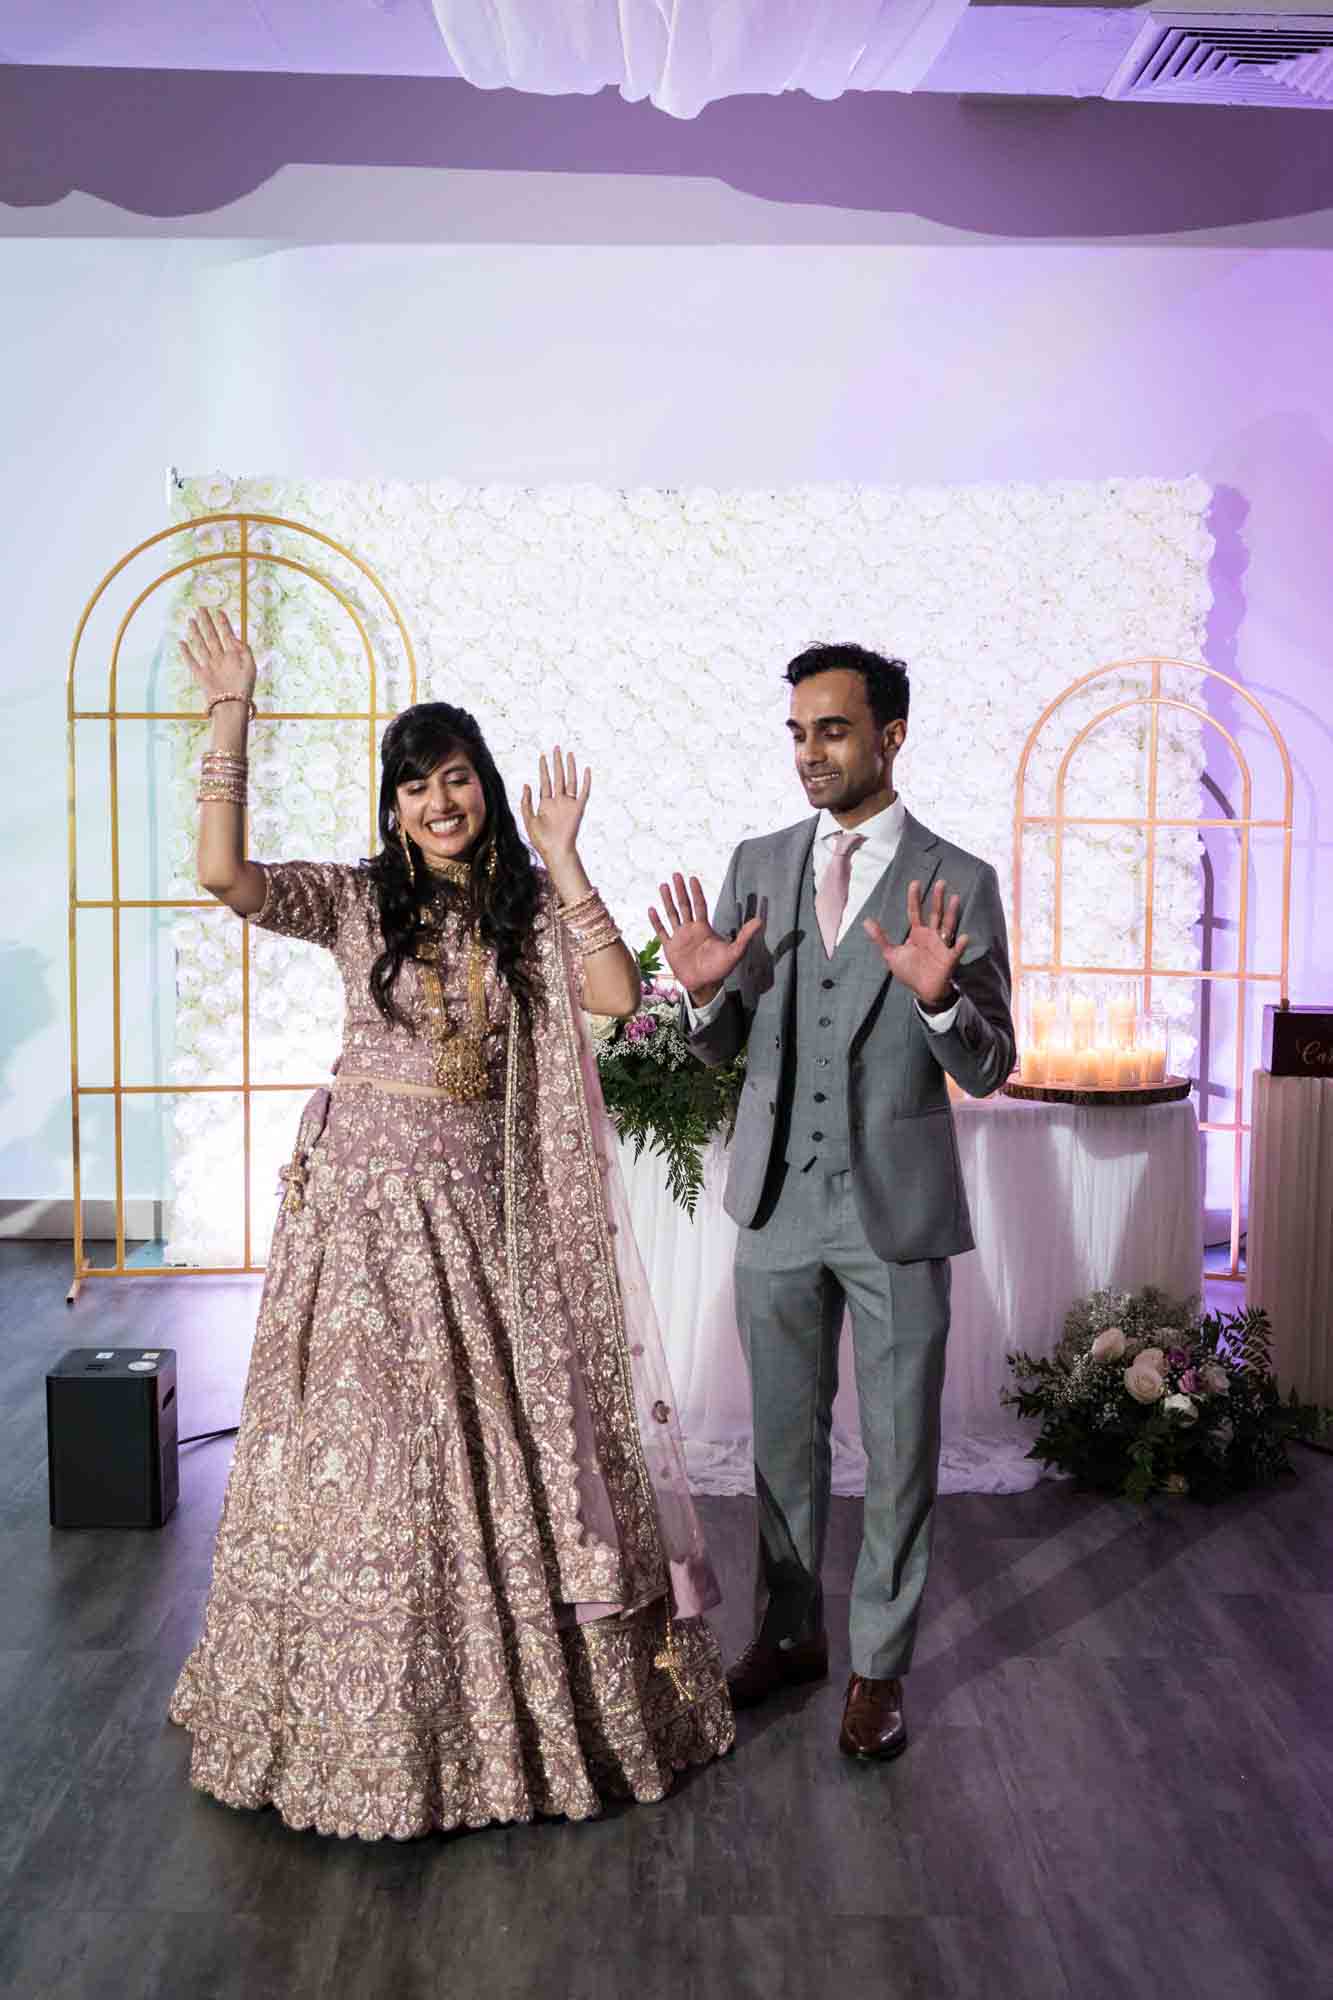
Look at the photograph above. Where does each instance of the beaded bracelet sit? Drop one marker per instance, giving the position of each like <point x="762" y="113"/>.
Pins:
<point x="218" y="700"/>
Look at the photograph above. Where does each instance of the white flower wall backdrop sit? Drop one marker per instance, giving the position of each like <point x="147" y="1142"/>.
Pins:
<point x="648" y="630"/>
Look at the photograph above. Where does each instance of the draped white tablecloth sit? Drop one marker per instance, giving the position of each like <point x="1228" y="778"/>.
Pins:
<point x="1289" y="1250"/>
<point x="1064" y="1199"/>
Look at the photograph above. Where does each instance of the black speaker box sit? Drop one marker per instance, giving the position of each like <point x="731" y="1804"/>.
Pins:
<point x="111" y="1437"/>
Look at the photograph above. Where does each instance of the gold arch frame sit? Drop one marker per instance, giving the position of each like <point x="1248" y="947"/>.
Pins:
<point x="1243" y="825"/>
<point x="118" y="1090"/>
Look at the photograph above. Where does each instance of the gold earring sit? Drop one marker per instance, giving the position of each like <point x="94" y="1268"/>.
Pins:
<point x="407" y="855"/>
<point x="491" y="863"/>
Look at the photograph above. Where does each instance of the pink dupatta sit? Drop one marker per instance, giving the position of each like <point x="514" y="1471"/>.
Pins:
<point x="593" y="1386"/>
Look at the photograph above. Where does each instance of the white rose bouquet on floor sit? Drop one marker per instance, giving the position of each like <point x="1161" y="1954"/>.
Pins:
<point x="656" y="1091"/>
<point x="1145" y="1395"/>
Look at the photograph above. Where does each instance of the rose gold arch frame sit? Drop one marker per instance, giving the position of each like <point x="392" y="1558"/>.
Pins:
<point x="1244" y="976"/>
<point x="371" y="716"/>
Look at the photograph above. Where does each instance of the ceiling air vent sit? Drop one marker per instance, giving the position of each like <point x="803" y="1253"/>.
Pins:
<point x="1230" y="59"/>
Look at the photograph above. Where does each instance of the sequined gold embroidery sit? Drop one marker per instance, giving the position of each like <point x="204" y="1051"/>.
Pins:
<point x="459" y="1054"/>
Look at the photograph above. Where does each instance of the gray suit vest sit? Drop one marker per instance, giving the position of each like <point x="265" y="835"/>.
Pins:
<point x="828" y="1002"/>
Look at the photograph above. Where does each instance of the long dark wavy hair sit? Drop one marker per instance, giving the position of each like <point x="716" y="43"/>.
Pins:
<point x="501" y="894"/>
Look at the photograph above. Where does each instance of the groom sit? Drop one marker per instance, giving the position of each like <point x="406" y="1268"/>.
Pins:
<point x="856" y="958"/>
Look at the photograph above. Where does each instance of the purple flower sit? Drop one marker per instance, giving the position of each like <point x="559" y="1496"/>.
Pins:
<point x="1189" y="1381"/>
<point x="639" y="1027"/>
<point x="1178" y="1358"/>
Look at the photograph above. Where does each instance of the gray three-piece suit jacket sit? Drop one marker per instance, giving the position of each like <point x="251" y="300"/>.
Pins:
<point x="902" y="1148"/>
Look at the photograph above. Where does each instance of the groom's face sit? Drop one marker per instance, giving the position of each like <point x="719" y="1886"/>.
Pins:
<point x="842" y="758"/>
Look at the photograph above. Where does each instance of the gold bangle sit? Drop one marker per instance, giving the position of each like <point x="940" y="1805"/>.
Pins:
<point x="597" y="940"/>
<point x="218" y="700"/>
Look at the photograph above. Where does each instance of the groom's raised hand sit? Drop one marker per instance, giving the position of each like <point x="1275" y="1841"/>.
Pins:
<point x="698" y="956"/>
<point x="926" y="959"/>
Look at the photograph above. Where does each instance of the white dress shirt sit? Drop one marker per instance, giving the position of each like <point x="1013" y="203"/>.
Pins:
<point x="881" y="835"/>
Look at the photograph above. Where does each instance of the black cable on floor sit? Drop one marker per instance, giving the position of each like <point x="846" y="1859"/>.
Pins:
<point x="202" y="1437"/>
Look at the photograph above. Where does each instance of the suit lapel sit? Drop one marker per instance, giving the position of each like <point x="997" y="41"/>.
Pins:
<point x="785" y="911"/>
<point x="917" y="860"/>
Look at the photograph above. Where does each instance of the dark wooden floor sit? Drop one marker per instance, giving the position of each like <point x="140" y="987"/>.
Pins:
<point x="1121" y="1782"/>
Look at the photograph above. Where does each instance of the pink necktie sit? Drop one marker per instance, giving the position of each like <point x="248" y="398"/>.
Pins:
<point x="831" y="899"/>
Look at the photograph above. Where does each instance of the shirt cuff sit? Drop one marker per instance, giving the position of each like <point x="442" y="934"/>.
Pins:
<point x="699" y="1017"/>
<point x="940" y="1024"/>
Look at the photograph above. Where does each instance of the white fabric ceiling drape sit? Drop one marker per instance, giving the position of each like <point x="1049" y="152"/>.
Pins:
<point x="684" y="54"/>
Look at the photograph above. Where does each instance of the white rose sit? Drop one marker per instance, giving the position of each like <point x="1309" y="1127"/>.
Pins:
<point x="1109" y="1344"/>
<point x="1151" y="1357"/>
<point x="1183" y="1407"/>
<point x="1213" y="1378"/>
<point x="1144" y="1384"/>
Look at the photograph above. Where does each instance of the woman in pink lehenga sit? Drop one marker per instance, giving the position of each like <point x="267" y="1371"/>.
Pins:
<point x="458" y="1576"/>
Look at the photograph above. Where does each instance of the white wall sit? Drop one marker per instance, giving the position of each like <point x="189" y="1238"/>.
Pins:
<point x="727" y="364"/>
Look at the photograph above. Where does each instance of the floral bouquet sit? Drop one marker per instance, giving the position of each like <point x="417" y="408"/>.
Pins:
<point x="1145" y="1395"/>
<point x="657" y="1092"/>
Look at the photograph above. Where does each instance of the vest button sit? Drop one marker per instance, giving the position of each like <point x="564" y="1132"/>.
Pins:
<point x="816" y="1135"/>
<point x="828" y="984"/>
<point x="824" y="1021"/>
<point x="820" y="1097"/>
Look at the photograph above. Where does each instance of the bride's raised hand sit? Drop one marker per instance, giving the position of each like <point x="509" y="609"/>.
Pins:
<point x="218" y="658"/>
<point x="553" y="821"/>
<point x="699" y="956"/>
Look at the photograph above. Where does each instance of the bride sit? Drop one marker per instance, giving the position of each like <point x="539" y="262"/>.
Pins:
<point x="458" y="1576"/>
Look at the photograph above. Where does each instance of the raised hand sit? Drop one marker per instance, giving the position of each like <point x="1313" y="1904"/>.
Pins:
<point x="553" y="822"/>
<point x="699" y="957"/>
<point x="218" y="658"/>
<point x="926" y="959"/>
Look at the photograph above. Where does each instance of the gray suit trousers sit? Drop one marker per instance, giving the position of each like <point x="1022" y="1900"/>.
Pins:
<point x="794" y="1273"/>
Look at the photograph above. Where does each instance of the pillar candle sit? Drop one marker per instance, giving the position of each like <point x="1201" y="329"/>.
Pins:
<point x="1128" y="1068"/>
<point x="1060" y="1060"/>
<point x="1106" y="1056"/>
<point x="1087" y="1069"/>
<point x="1035" y="1065"/>
<point x="1154" y="1065"/>
<point x="1082" y="1020"/>
<point x="1041" y="1014"/>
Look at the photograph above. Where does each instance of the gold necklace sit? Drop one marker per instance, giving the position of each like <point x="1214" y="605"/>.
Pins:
<point x="459" y="1053"/>
<point x="457" y="872"/>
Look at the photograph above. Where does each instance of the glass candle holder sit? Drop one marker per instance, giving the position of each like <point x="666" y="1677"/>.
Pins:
<point x="1122" y="1011"/>
<point x="1082" y="1020"/>
<point x="1039" y="1013"/>
<point x="1152" y="1039"/>
<point x="1128" y="1065"/>
<point x="1062" y="1061"/>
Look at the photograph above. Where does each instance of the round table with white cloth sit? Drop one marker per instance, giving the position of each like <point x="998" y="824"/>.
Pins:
<point x="1065" y="1199"/>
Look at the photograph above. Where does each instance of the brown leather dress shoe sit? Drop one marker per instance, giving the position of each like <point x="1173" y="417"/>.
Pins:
<point x="764" y="1667"/>
<point x="872" y="1721"/>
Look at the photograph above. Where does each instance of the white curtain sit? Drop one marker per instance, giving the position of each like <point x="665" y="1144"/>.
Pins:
<point x="684" y="54"/>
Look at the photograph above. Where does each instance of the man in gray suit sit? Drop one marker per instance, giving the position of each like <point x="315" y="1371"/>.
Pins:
<point x="844" y="1167"/>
